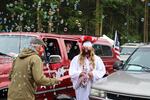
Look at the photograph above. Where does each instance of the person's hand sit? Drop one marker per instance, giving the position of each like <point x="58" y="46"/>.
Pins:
<point x="82" y="74"/>
<point x="90" y="75"/>
<point x="60" y="79"/>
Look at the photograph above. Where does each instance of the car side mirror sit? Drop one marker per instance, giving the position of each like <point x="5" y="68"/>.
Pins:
<point x="55" y="59"/>
<point x="118" y="65"/>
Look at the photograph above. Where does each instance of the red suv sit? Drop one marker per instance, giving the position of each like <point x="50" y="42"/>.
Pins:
<point x="59" y="52"/>
<point x="104" y="48"/>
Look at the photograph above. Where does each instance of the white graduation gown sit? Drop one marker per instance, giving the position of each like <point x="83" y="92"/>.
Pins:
<point x="82" y="93"/>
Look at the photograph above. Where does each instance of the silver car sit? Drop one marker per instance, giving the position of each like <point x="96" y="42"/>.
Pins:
<point x="130" y="82"/>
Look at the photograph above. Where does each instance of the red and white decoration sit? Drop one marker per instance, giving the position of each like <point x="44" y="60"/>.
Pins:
<point x="117" y="46"/>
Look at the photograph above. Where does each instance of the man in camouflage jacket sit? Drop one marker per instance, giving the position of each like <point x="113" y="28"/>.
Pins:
<point x="27" y="73"/>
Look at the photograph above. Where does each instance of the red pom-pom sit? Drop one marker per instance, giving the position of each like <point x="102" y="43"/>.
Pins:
<point x="87" y="38"/>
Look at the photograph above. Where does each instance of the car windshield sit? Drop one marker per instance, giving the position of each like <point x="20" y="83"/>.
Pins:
<point x="139" y="61"/>
<point x="14" y="43"/>
<point x="127" y="50"/>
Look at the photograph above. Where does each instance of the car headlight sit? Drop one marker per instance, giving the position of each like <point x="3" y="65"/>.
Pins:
<point x="98" y="93"/>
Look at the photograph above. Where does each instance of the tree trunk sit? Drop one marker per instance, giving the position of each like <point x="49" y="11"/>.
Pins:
<point x="20" y="22"/>
<point x="98" y="30"/>
<point x="38" y="17"/>
<point x="146" y="22"/>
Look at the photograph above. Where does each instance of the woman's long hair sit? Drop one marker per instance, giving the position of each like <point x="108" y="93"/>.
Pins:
<point x="91" y="58"/>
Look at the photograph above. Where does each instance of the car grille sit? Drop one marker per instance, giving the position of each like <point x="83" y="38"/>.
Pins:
<point x="122" y="97"/>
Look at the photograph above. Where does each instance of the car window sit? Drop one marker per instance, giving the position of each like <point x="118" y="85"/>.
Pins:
<point x="52" y="47"/>
<point x="72" y="48"/>
<point x="102" y="50"/>
<point x="14" y="43"/>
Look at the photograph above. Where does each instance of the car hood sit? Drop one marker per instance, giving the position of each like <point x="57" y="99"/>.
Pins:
<point x="124" y="82"/>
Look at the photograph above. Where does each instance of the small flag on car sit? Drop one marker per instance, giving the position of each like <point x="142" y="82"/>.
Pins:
<point x="117" y="45"/>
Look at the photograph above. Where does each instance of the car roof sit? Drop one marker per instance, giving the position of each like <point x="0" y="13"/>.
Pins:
<point x="132" y="45"/>
<point x="74" y="37"/>
<point x="145" y="45"/>
<point x="99" y="40"/>
<point x="38" y="34"/>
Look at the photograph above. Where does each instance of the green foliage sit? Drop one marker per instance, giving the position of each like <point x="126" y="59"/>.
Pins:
<point x="71" y="21"/>
<point x="122" y="15"/>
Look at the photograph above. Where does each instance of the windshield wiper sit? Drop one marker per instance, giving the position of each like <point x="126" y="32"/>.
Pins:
<point x="145" y="68"/>
<point x="3" y="54"/>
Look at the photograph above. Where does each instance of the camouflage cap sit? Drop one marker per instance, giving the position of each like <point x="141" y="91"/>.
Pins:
<point x="37" y="41"/>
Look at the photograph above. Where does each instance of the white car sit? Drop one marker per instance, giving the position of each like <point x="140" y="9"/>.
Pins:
<point x="127" y="49"/>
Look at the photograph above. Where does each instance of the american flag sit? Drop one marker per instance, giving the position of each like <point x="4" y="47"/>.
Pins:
<point x="117" y="45"/>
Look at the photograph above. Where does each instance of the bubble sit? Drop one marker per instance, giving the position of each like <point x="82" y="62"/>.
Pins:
<point x="79" y="24"/>
<point x="75" y="6"/>
<point x="18" y="18"/>
<point x="66" y="24"/>
<point x="80" y="29"/>
<point x="62" y="21"/>
<point x="28" y="28"/>
<point x="33" y="5"/>
<point x="24" y="76"/>
<point x="52" y="29"/>
<point x="6" y="26"/>
<point x="68" y="3"/>
<point x="45" y="13"/>
<point x="41" y="9"/>
<point x="77" y="21"/>
<point x="25" y="5"/>
<point x="65" y="29"/>
<point x="19" y="85"/>
<point x="5" y="20"/>
<point x="7" y="5"/>
<point x="2" y="12"/>
<point x="32" y="26"/>
<point x="80" y="12"/>
<point x="25" y="13"/>
<point x="16" y="24"/>
<point x="61" y="0"/>
<point x="48" y="54"/>
<point x="50" y="24"/>
<point x="16" y="2"/>
<point x="45" y="16"/>
<point x="34" y="30"/>
<point x="21" y="18"/>
<point x="51" y="44"/>
<point x="11" y="5"/>
<point x="25" y="27"/>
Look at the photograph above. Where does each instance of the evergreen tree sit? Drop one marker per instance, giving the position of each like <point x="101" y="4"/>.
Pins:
<point x="74" y="17"/>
